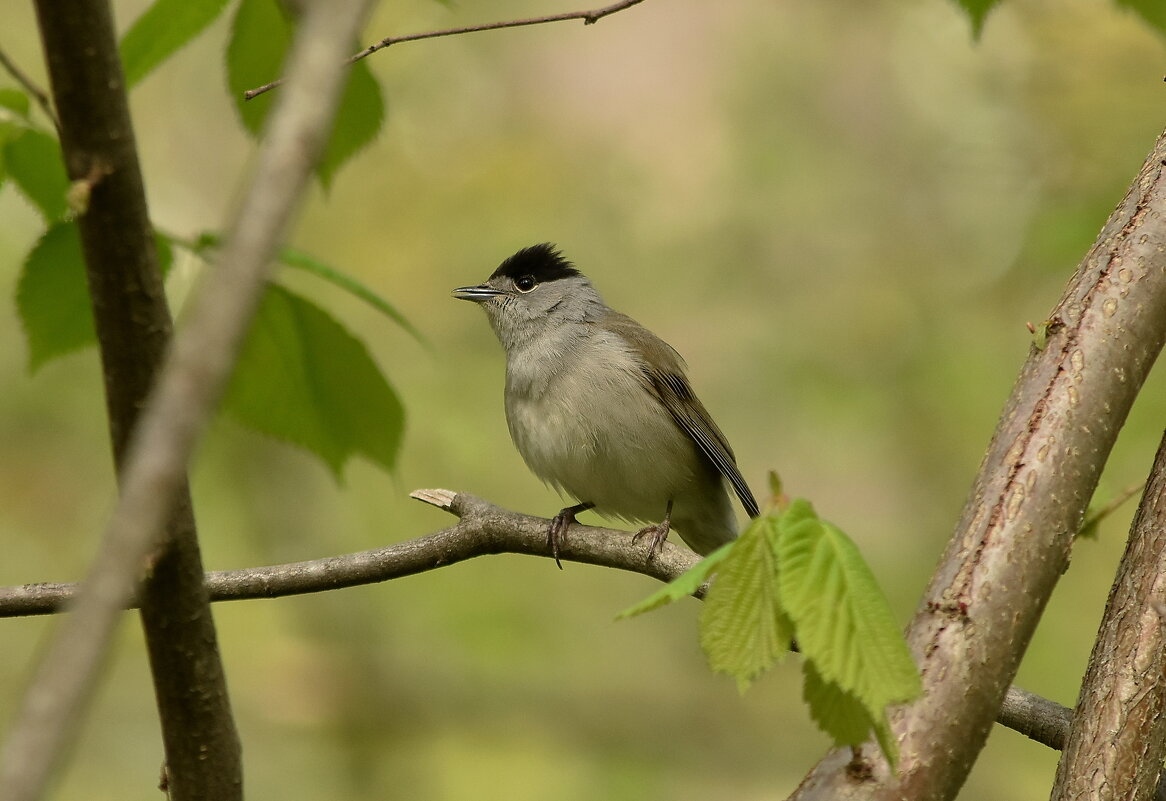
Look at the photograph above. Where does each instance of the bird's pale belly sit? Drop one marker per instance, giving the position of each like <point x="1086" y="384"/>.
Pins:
<point x="627" y="463"/>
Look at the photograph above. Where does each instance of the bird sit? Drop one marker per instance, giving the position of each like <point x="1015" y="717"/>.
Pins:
<point x="600" y="408"/>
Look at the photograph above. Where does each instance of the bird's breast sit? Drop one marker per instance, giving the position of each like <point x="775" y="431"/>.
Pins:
<point x="598" y="434"/>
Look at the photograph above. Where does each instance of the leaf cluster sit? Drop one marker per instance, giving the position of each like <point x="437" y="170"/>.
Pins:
<point x="302" y="376"/>
<point x="792" y="577"/>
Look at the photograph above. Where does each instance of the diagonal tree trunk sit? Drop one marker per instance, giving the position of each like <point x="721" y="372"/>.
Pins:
<point x="1028" y="501"/>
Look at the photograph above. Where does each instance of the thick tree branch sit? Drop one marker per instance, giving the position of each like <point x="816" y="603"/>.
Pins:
<point x="133" y="330"/>
<point x="153" y="473"/>
<point x="487" y="529"/>
<point x="588" y="17"/>
<point x="1013" y="540"/>
<point x="1118" y="739"/>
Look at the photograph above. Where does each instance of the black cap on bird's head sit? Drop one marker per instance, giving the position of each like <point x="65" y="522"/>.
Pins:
<point x="522" y="273"/>
<point x="542" y="262"/>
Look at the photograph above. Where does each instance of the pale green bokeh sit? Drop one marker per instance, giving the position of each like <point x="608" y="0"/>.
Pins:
<point x="842" y="214"/>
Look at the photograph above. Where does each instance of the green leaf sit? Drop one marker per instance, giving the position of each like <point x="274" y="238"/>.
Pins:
<point x="841" y="619"/>
<point x="260" y="38"/>
<point x="52" y="296"/>
<point x="977" y="11"/>
<point x="8" y="130"/>
<point x="304" y="379"/>
<point x="743" y="630"/>
<point x="362" y="111"/>
<point x="836" y="711"/>
<point x="1152" y="11"/>
<point x="682" y="586"/>
<point x="15" y="101"/>
<point x="161" y="30"/>
<point x="33" y="160"/>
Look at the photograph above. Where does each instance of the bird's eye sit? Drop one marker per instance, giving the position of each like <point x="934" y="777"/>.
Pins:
<point x="525" y="283"/>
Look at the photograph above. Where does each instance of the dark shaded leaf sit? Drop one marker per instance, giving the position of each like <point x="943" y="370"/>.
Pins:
<point x="52" y="296"/>
<point x="977" y="11"/>
<point x="304" y="379"/>
<point x="1152" y="11"/>
<point x="260" y="37"/>
<point x="33" y="161"/>
<point x="162" y="29"/>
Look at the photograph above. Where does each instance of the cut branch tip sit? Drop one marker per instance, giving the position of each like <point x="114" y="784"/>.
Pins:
<point x="441" y="498"/>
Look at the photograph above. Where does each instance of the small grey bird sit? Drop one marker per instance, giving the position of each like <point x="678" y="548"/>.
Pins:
<point x="599" y="407"/>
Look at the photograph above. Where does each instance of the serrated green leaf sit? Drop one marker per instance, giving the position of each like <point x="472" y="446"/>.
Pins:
<point x="361" y="113"/>
<point x="842" y="716"/>
<point x="682" y="586"/>
<point x="15" y="101"/>
<point x="304" y="379"/>
<point x="260" y="37"/>
<point x="743" y="630"/>
<point x="836" y="711"/>
<point x="52" y="296"/>
<point x="977" y="11"/>
<point x="1152" y="11"/>
<point x="161" y="30"/>
<point x="841" y="618"/>
<point x="33" y="161"/>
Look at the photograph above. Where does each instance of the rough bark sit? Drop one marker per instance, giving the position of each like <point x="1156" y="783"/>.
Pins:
<point x="1118" y="737"/>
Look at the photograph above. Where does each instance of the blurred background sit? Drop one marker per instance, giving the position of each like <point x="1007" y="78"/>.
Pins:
<point x="842" y="214"/>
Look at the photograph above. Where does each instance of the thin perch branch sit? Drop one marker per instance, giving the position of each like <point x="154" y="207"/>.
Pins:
<point x="488" y="529"/>
<point x="588" y="17"/>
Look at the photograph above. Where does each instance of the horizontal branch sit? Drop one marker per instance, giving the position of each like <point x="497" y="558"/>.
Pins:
<point x="484" y="529"/>
<point x="588" y="17"/>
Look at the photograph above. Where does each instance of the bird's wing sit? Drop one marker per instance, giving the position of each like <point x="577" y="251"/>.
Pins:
<point x="664" y="373"/>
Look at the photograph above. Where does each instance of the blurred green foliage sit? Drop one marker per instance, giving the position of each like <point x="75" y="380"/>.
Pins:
<point x="842" y="215"/>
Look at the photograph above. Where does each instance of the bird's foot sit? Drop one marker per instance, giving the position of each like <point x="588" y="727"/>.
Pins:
<point x="657" y="533"/>
<point x="557" y="530"/>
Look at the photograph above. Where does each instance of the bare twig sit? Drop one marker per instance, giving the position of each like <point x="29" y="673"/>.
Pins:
<point x="39" y="95"/>
<point x="1118" y="738"/>
<point x="488" y="529"/>
<point x="1027" y="503"/>
<point x="1036" y="717"/>
<point x="187" y="391"/>
<point x="588" y="17"/>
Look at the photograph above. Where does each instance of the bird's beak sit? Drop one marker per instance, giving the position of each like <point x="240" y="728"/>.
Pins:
<point x="477" y="293"/>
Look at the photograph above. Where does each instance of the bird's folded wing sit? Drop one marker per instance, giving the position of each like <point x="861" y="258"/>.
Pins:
<point x="663" y="370"/>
